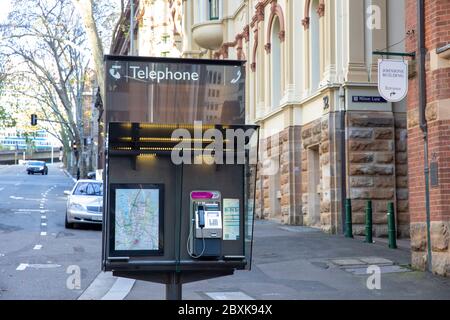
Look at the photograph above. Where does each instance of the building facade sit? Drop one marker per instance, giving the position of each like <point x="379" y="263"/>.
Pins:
<point x="312" y="87"/>
<point x="326" y="135"/>
<point x="437" y="43"/>
<point x="157" y="29"/>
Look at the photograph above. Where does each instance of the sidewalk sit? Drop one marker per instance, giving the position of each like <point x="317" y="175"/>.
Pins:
<point x="304" y="263"/>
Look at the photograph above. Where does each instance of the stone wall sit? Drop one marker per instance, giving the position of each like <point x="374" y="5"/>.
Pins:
<point x="401" y="174"/>
<point x="316" y="135"/>
<point x="376" y="170"/>
<point x="371" y="167"/>
<point x="279" y="172"/>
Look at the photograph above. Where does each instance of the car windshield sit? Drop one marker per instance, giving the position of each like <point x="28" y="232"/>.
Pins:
<point x="89" y="189"/>
<point x="36" y="163"/>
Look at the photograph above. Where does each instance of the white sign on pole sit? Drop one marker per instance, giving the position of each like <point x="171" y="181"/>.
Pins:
<point x="393" y="79"/>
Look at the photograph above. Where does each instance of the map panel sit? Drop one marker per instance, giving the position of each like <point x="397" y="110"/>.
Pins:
<point x="137" y="219"/>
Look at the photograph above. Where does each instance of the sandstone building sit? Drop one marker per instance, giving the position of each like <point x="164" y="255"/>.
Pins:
<point x="312" y="87"/>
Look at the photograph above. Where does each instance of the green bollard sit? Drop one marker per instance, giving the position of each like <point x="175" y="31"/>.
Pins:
<point x="391" y="226"/>
<point x="348" y="219"/>
<point x="369" y="222"/>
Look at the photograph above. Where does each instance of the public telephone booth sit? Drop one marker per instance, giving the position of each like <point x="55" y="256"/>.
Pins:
<point x="180" y="170"/>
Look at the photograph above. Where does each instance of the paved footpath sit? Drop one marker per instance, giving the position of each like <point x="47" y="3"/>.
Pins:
<point x="300" y="263"/>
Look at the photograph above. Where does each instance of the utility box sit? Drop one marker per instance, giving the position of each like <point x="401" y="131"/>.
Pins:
<point x="180" y="169"/>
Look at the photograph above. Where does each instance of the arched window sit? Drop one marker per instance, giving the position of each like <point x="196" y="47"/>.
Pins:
<point x="314" y="46"/>
<point x="276" y="64"/>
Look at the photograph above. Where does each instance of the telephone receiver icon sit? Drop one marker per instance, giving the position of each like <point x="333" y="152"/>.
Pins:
<point x="114" y="72"/>
<point x="238" y="77"/>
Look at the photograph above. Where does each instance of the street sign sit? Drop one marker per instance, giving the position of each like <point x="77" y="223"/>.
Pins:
<point x="368" y="99"/>
<point x="393" y="79"/>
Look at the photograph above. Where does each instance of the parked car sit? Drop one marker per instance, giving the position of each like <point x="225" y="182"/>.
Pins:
<point x="84" y="203"/>
<point x="91" y="175"/>
<point x="37" y="167"/>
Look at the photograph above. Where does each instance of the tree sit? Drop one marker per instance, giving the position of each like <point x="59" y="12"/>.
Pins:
<point x="47" y="43"/>
<point x="6" y="119"/>
<point x="95" y="16"/>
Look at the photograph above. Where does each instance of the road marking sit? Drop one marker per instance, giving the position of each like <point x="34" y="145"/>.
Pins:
<point x="22" y="266"/>
<point x="1" y="189"/>
<point x="43" y="233"/>
<point x="16" y="198"/>
<point x="31" y="210"/>
<point x="43" y="224"/>
<point x="44" y="266"/>
<point x="37" y="247"/>
<point x="17" y="184"/>
<point x="43" y="217"/>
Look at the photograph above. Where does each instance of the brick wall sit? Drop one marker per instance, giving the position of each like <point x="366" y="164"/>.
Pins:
<point x="437" y="32"/>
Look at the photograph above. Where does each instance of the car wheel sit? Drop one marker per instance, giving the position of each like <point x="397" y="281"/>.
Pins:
<point x="46" y="172"/>
<point x="68" y="225"/>
<point x="43" y="172"/>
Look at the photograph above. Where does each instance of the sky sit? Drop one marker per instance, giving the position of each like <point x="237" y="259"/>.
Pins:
<point x="4" y="9"/>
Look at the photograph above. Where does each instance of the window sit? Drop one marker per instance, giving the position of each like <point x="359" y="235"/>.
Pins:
<point x="89" y="189"/>
<point x="214" y="9"/>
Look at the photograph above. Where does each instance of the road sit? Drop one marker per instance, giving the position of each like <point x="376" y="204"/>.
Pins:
<point x="35" y="248"/>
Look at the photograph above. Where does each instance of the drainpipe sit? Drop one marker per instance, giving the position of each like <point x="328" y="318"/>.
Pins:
<point x="422" y="117"/>
<point x="342" y="113"/>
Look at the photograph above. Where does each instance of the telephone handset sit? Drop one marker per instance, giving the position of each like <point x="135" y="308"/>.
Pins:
<point x="201" y="216"/>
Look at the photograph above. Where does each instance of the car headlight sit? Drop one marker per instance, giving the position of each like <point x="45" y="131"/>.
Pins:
<point x="41" y="168"/>
<point x="77" y="207"/>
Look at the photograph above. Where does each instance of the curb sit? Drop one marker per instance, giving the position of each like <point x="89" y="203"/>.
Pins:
<point x="107" y="287"/>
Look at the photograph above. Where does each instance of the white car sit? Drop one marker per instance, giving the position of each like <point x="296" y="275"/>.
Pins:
<point x="84" y="203"/>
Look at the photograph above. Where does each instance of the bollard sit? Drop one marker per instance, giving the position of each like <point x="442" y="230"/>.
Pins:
<point x="348" y="219"/>
<point x="391" y="227"/>
<point x="369" y="222"/>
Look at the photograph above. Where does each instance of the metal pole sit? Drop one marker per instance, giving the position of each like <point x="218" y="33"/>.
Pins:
<point x="422" y="118"/>
<point x="348" y="219"/>
<point x="52" y="153"/>
<point x="369" y="222"/>
<point x="343" y="157"/>
<point x="391" y="227"/>
<point x="131" y="27"/>
<point x="174" y="287"/>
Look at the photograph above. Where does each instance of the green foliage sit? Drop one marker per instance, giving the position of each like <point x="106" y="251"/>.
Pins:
<point x="6" y="119"/>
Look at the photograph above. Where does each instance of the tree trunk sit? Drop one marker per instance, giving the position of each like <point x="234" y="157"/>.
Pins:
<point x="85" y="9"/>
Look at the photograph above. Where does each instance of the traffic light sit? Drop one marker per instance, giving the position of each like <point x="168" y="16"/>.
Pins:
<point x="33" y="120"/>
<point x="74" y="146"/>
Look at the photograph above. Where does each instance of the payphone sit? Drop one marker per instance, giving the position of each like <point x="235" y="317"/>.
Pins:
<point x="194" y="220"/>
<point x="206" y="227"/>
